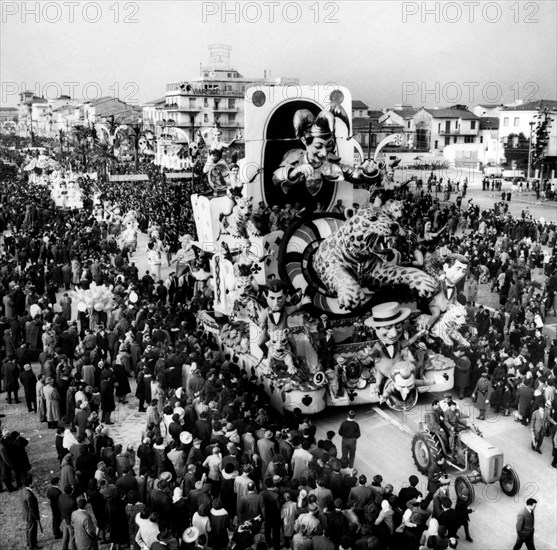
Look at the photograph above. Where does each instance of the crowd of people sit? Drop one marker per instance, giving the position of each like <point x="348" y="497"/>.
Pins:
<point x="215" y="466"/>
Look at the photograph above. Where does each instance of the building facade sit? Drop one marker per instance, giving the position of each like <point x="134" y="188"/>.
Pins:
<point x="216" y="97"/>
<point x="523" y="118"/>
<point x="444" y="127"/>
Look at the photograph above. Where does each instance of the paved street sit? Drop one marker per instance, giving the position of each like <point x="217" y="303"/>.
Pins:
<point x="385" y="446"/>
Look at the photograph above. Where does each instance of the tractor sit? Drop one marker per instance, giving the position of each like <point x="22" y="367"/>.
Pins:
<point x="476" y="459"/>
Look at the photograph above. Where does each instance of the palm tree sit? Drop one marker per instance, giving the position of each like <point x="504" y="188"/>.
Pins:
<point x="83" y="142"/>
<point x="103" y="157"/>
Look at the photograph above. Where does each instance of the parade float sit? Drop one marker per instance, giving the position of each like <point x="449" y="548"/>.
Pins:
<point x="310" y="302"/>
<point x="64" y="186"/>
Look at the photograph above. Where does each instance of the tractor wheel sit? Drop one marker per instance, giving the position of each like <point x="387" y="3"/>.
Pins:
<point x="510" y="483"/>
<point x="464" y="489"/>
<point x="425" y="449"/>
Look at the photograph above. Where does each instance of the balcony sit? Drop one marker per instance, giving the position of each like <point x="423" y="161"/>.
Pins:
<point x="226" y="109"/>
<point x="458" y="132"/>
<point x="176" y="90"/>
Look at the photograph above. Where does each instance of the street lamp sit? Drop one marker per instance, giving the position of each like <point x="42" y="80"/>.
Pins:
<point x="530" y="150"/>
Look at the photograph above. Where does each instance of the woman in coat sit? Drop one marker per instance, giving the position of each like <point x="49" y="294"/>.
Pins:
<point x="220" y="522"/>
<point x="524" y="396"/>
<point x="67" y="472"/>
<point x="117" y="520"/>
<point x="52" y="403"/>
<point x="41" y="402"/>
<point x="108" y="405"/>
<point x="123" y="385"/>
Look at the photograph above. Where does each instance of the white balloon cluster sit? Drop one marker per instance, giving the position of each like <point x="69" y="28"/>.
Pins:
<point x="97" y="297"/>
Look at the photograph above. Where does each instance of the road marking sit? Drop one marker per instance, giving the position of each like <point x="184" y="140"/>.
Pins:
<point x="393" y="421"/>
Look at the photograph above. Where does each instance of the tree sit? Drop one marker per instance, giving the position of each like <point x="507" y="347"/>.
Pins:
<point x="103" y="156"/>
<point x="541" y="137"/>
<point x="84" y="139"/>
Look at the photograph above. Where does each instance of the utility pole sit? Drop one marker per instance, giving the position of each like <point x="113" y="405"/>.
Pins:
<point x="530" y="150"/>
<point x="369" y="140"/>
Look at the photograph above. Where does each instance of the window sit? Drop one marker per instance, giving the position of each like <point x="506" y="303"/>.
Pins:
<point x="481" y="139"/>
<point x="470" y="139"/>
<point x="232" y="119"/>
<point x="455" y="140"/>
<point x="408" y="124"/>
<point x="447" y="140"/>
<point x="192" y="102"/>
<point x="516" y="121"/>
<point x="436" y="146"/>
<point x="506" y="121"/>
<point x="205" y="102"/>
<point x="205" y="117"/>
<point x="438" y="129"/>
<point x="473" y="125"/>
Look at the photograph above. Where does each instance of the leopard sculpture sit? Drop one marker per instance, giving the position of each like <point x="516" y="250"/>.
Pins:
<point x="354" y="258"/>
<point x="244" y="297"/>
<point x="447" y="327"/>
<point x="240" y="222"/>
<point x="280" y="353"/>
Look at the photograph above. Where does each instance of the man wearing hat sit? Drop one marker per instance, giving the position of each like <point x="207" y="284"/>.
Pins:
<point x="454" y="422"/>
<point x="388" y="320"/>
<point x="266" y="448"/>
<point x="190" y="535"/>
<point x="250" y="505"/>
<point x="310" y="520"/>
<point x="349" y="430"/>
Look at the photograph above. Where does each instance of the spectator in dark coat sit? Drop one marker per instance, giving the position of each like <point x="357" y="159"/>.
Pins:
<point x="30" y="513"/>
<point x="53" y="493"/>
<point x="108" y="405"/>
<point x="66" y="505"/>
<point x="117" y="520"/>
<point x="123" y="387"/>
<point x="11" y="380"/>
<point x="29" y="383"/>
<point x="18" y="456"/>
<point x="161" y="501"/>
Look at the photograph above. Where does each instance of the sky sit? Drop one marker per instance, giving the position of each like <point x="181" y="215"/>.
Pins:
<point x="384" y="52"/>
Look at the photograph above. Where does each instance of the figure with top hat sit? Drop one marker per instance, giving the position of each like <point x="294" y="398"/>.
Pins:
<point x="387" y="320"/>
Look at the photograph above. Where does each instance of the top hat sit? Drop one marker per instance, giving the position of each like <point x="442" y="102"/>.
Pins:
<point x="386" y="314"/>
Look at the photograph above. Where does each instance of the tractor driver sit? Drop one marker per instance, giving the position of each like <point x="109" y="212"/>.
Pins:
<point x="454" y="422"/>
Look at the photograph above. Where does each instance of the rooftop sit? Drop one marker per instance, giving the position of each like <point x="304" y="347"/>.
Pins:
<point x="465" y="114"/>
<point x="362" y="123"/>
<point x="533" y="105"/>
<point x="156" y="102"/>
<point x="357" y="104"/>
<point x="405" y="113"/>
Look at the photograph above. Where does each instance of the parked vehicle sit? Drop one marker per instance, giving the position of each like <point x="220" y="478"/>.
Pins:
<point x="477" y="459"/>
<point x="509" y="175"/>
<point x="493" y="171"/>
